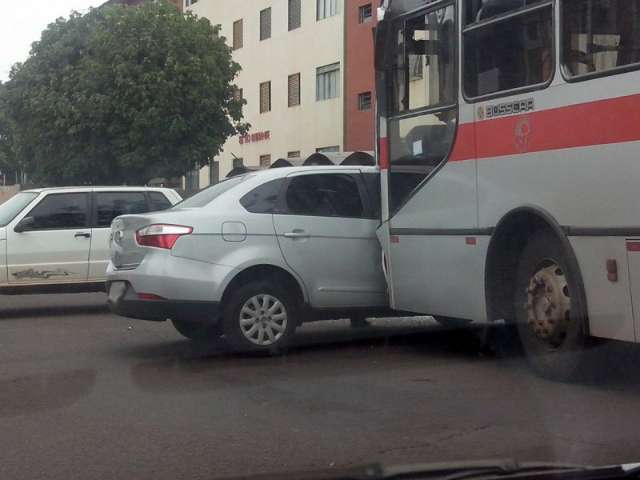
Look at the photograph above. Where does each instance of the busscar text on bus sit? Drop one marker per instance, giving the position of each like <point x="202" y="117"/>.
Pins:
<point x="508" y="141"/>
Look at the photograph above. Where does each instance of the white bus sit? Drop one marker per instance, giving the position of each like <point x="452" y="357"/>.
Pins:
<point x="509" y="145"/>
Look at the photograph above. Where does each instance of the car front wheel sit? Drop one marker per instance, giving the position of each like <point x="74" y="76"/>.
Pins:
<point x="260" y="317"/>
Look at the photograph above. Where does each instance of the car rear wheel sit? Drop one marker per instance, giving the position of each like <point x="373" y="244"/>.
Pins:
<point x="260" y="317"/>
<point x="197" y="331"/>
<point x="550" y="311"/>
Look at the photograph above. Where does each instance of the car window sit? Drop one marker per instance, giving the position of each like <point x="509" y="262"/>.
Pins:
<point x="158" y="201"/>
<point x="109" y="205"/>
<point x="207" y="195"/>
<point x="13" y="206"/>
<point x="60" y="211"/>
<point x="326" y="195"/>
<point x="262" y="199"/>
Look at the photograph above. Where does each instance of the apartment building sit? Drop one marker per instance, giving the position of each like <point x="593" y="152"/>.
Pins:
<point x="306" y="79"/>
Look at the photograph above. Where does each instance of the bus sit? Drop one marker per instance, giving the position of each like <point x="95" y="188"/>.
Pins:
<point x="509" y="148"/>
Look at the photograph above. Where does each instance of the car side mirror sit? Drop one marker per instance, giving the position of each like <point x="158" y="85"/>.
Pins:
<point x="25" y="224"/>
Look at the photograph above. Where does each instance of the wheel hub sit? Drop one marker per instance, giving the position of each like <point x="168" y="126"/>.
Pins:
<point x="263" y="319"/>
<point x="548" y="304"/>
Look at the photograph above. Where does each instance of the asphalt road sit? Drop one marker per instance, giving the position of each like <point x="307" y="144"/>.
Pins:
<point x="84" y="394"/>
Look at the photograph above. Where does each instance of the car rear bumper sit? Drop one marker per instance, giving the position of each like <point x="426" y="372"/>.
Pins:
<point x="127" y="303"/>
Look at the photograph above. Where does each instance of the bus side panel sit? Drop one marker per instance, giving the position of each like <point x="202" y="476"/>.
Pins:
<point x="441" y="275"/>
<point x="608" y="303"/>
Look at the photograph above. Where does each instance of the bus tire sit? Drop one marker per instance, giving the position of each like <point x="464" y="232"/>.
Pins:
<point x="550" y="312"/>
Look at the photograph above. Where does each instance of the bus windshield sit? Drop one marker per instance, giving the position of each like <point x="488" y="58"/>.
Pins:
<point x="423" y="97"/>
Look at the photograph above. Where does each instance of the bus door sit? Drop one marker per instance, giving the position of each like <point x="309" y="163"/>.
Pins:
<point x="429" y="198"/>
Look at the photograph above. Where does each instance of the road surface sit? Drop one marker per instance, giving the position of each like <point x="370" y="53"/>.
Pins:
<point x="85" y="394"/>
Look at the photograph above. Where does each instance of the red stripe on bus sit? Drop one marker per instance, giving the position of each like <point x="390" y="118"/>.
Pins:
<point x="602" y="122"/>
<point x="633" y="246"/>
<point x="384" y="153"/>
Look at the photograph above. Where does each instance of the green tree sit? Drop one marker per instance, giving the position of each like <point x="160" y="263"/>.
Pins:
<point x="123" y="95"/>
<point x="8" y="161"/>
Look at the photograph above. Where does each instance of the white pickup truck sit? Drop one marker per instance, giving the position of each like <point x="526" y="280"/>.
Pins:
<point x="57" y="239"/>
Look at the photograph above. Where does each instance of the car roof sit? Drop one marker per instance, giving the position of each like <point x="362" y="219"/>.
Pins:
<point x="96" y="189"/>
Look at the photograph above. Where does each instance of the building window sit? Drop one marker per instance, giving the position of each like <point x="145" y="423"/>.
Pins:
<point x="295" y="14"/>
<point x="188" y="3"/>
<point x="265" y="161"/>
<point x="332" y="149"/>
<point x="238" y="163"/>
<point x="364" y="101"/>
<point x="294" y="90"/>
<point x="328" y="82"/>
<point x="326" y="8"/>
<point x="237" y="34"/>
<point x="265" y="97"/>
<point x="294" y="154"/>
<point x="265" y="24"/>
<point x="365" y="13"/>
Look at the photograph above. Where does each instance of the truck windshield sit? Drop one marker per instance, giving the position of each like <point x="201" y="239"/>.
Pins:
<point x="13" y="206"/>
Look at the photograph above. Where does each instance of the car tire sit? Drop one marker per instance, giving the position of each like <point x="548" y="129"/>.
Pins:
<point x="260" y="317"/>
<point x="550" y="311"/>
<point x="197" y="331"/>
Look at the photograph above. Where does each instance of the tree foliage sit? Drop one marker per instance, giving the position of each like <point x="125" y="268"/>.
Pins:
<point x="123" y="95"/>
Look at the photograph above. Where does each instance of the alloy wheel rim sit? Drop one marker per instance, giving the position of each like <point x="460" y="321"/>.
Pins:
<point x="263" y="320"/>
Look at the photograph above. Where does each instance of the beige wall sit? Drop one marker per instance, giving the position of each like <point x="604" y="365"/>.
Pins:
<point x="306" y="127"/>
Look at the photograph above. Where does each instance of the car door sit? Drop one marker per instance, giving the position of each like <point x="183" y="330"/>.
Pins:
<point x="54" y="246"/>
<point x="326" y="232"/>
<point x="107" y="206"/>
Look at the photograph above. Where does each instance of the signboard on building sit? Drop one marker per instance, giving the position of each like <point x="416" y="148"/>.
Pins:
<point x="255" y="137"/>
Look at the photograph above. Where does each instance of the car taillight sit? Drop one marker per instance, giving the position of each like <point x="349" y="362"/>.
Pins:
<point x="161" y="236"/>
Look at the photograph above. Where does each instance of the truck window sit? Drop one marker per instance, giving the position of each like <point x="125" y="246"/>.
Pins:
<point x="599" y="35"/>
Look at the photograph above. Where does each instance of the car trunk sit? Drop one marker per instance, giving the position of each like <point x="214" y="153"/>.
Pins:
<point x="125" y="251"/>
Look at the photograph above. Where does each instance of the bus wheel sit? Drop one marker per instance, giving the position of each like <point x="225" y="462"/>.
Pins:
<point x="550" y="313"/>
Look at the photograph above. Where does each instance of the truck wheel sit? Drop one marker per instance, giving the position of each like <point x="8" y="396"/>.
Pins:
<point x="260" y="317"/>
<point x="197" y="331"/>
<point x="550" y="310"/>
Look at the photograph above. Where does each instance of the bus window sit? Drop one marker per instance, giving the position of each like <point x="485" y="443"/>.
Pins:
<point x="477" y="10"/>
<point x="508" y="53"/>
<point x="599" y="35"/>
<point x="424" y="68"/>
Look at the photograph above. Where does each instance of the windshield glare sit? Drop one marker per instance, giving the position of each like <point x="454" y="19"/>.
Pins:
<point x="13" y="206"/>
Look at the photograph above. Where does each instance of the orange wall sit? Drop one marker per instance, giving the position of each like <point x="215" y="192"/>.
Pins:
<point x="359" y="77"/>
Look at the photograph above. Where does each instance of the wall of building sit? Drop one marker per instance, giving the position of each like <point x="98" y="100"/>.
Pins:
<point x="304" y="128"/>
<point x="360" y="78"/>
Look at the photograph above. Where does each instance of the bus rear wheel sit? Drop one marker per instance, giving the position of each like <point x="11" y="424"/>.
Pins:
<point x="550" y="311"/>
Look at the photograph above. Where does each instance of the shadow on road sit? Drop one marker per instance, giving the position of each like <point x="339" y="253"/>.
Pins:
<point x="42" y="392"/>
<point x="52" y="311"/>
<point x="184" y="366"/>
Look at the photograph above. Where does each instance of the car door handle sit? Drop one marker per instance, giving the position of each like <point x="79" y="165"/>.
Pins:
<point x="297" y="234"/>
<point x="82" y="235"/>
